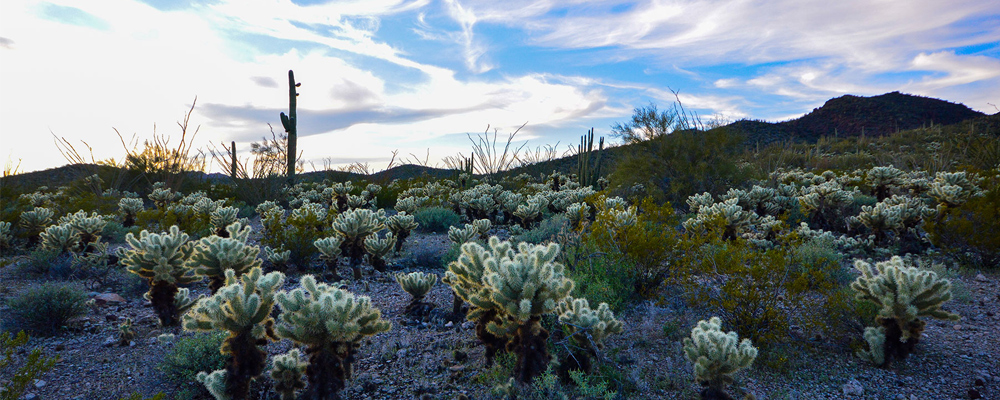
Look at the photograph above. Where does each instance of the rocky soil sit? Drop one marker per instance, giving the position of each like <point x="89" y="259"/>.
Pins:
<point x="436" y="359"/>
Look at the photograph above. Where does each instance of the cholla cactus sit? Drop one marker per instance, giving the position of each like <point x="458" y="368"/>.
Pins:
<point x="735" y="221"/>
<point x="125" y="332"/>
<point x="162" y="197"/>
<point x="903" y="295"/>
<point x="88" y="227"/>
<point x="5" y="236"/>
<point x="462" y="235"/>
<point x="483" y="227"/>
<point x="331" y="322"/>
<point x="952" y="189"/>
<point x="223" y="217"/>
<point x="410" y="205"/>
<point x="355" y="225"/>
<point x="417" y="284"/>
<point x="34" y="222"/>
<point x="824" y="202"/>
<point x="465" y="276"/>
<point x="401" y="225"/>
<point x="588" y="328"/>
<point x="578" y="213"/>
<point x="377" y="248"/>
<point x="696" y="202"/>
<point x="880" y="219"/>
<point x="215" y="255"/>
<point x="60" y="238"/>
<point x="330" y="249"/>
<point x="531" y="212"/>
<point x="130" y="208"/>
<point x="883" y="179"/>
<point x="277" y="257"/>
<point x="287" y="371"/>
<point x="717" y="356"/>
<point x="243" y="308"/>
<point x="523" y="288"/>
<point x="160" y="258"/>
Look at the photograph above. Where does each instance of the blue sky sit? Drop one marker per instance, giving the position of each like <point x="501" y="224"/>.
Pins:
<point x="384" y="75"/>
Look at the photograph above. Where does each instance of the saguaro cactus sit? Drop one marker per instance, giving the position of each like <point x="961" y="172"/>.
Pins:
<point x="289" y="122"/>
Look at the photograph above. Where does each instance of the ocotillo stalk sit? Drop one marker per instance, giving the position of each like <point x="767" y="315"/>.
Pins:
<point x="232" y="166"/>
<point x="289" y="121"/>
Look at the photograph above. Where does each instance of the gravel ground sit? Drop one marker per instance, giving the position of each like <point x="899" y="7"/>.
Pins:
<point x="417" y="360"/>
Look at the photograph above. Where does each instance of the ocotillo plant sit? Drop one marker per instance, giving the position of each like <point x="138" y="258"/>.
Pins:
<point x="289" y="122"/>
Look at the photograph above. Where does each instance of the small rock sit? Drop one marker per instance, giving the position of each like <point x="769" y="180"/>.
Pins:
<point x="60" y="347"/>
<point x="401" y="353"/>
<point x="110" y="342"/>
<point x="981" y="278"/>
<point x="456" y="368"/>
<point x="111" y="318"/>
<point x="461" y="356"/>
<point x="30" y="396"/>
<point x="980" y="382"/>
<point x="105" y="298"/>
<point x="900" y="397"/>
<point x="468" y="325"/>
<point x="957" y="327"/>
<point x="449" y="324"/>
<point x="974" y="394"/>
<point x="39" y="383"/>
<point x="853" y="388"/>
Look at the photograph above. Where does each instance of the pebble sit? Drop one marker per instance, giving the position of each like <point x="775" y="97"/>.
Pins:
<point x="853" y="388"/>
<point x="39" y="383"/>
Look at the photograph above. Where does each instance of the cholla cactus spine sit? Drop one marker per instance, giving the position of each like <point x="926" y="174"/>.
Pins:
<point x="287" y="371"/>
<point x="903" y="294"/>
<point x="243" y="308"/>
<point x="331" y="322"/>
<point x="717" y="355"/>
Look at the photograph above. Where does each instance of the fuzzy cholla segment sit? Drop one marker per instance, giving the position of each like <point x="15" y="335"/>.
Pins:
<point x="244" y="304"/>
<point x="318" y="313"/>
<point x="462" y="235"/>
<point x="717" y="355"/>
<point x="530" y="283"/>
<point x="160" y="256"/>
<point x="401" y="222"/>
<point x="902" y="293"/>
<point x="357" y="224"/>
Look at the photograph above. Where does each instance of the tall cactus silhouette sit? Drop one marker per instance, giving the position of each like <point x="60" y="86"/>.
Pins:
<point x="289" y="122"/>
<point x="587" y="173"/>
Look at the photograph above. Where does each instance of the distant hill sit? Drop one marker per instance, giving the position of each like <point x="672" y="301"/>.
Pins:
<point x="855" y="115"/>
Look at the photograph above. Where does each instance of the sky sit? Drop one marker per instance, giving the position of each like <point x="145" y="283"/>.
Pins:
<point x="420" y="76"/>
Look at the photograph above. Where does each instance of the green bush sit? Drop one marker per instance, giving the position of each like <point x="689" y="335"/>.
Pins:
<point x="191" y="355"/>
<point x="29" y="368"/>
<point x="114" y="232"/>
<point x="970" y="232"/>
<point x="48" y="264"/>
<point x="436" y="219"/>
<point x="45" y="308"/>
<point x="546" y="230"/>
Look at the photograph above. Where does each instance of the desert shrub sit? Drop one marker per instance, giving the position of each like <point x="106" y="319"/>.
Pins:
<point x="546" y="230"/>
<point x="191" y="355"/>
<point x="843" y="317"/>
<point x="297" y="232"/>
<point x="645" y="240"/>
<point x="970" y="232"/>
<point x="28" y="368"/>
<point x="675" y="166"/>
<point x="604" y="278"/>
<point x="47" y="263"/>
<point x="46" y="308"/>
<point x="156" y="219"/>
<point x="115" y="232"/>
<point x="436" y="219"/>
<point x="750" y="288"/>
<point x="817" y="264"/>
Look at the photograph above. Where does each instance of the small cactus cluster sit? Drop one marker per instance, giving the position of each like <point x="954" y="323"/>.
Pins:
<point x="161" y="259"/>
<point x="717" y="356"/>
<point x="903" y="295"/>
<point x="401" y="225"/>
<point x="215" y="255"/>
<point x="417" y="284"/>
<point x="129" y="207"/>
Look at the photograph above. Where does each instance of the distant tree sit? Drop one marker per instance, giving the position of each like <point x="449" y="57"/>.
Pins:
<point x="647" y="123"/>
